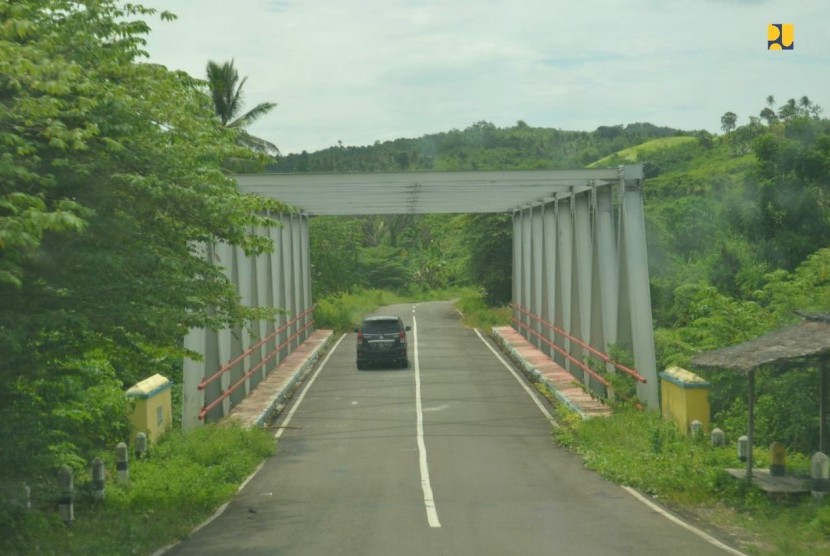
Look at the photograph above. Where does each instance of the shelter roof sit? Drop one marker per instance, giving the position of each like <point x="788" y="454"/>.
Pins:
<point x="809" y="339"/>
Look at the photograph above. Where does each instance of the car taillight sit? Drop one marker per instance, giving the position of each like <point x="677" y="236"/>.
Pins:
<point x="359" y="337"/>
<point x="402" y="336"/>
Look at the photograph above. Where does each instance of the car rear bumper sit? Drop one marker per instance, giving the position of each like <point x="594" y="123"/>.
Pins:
<point x="378" y="355"/>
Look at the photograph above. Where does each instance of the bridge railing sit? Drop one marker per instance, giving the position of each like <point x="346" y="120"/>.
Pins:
<point x="302" y="323"/>
<point x="604" y="357"/>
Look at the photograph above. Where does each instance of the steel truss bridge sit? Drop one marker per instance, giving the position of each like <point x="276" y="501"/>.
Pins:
<point x="580" y="270"/>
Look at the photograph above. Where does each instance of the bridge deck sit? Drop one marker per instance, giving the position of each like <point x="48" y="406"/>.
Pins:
<point x="277" y="387"/>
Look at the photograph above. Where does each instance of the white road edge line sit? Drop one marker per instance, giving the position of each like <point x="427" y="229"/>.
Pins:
<point x="288" y="417"/>
<point x="224" y="506"/>
<point x="429" y="499"/>
<point x="710" y="539"/>
<point x="680" y="522"/>
<point x="521" y="381"/>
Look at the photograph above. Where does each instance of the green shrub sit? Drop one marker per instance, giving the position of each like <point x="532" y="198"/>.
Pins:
<point x="643" y="450"/>
<point x="186" y="477"/>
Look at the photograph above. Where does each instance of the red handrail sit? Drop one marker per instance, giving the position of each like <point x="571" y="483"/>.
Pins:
<point x="573" y="359"/>
<point x="231" y="389"/>
<point x="229" y="365"/>
<point x="603" y="356"/>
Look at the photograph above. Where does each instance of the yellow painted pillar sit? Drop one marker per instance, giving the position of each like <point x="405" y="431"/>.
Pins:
<point x="152" y="413"/>
<point x="684" y="398"/>
<point x="778" y="457"/>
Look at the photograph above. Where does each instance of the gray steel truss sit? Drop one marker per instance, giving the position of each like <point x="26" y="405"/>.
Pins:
<point x="580" y="272"/>
<point x="245" y="355"/>
<point x="580" y="265"/>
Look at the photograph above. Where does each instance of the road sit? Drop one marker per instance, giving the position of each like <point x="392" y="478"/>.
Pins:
<point x="449" y="457"/>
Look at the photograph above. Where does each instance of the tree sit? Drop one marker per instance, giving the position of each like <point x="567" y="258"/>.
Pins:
<point x="789" y="110"/>
<point x="489" y="238"/>
<point x="790" y="188"/>
<point x="769" y="115"/>
<point x="728" y="121"/>
<point x="110" y="175"/>
<point x="226" y="92"/>
<point x="335" y="252"/>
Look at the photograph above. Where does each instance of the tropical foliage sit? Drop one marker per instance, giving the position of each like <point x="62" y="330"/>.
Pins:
<point x="228" y="100"/>
<point x="110" y="179"/>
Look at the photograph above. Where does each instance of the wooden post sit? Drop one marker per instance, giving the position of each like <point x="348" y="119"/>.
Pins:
<point x="122" y="465"/>
<point x="778" y="457"/>
<point x="140" y="445"/>
<point x="66" y="501"/>
<point x="819" y="475"/>
<point x="751" y="424"/>
<point x="822" y="400"/>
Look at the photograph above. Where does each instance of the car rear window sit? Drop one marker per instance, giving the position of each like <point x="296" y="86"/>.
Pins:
<point x="381" y="326"/>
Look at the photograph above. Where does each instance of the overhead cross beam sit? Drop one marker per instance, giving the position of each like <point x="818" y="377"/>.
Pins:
<point x="422" y="192"/>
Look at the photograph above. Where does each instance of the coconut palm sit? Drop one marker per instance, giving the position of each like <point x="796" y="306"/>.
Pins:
<point x="226" y="91"/>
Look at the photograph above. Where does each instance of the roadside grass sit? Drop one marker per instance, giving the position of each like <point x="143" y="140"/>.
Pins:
<point x="343" y="312"/>
<point x="642" y="450"/>
<point x="182" y="482"/>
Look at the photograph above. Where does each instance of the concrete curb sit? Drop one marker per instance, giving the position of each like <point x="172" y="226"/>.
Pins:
<point x="541" y="369"/>
<point x="276" y="389"/>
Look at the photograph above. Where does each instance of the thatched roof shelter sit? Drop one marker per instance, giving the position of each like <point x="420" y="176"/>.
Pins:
<point x="807" y="343"/>
<point x="795" y="345"/>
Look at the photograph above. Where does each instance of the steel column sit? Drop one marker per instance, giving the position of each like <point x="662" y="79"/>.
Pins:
<point x="305" y="269"/>
<point x="537" y="269"/>
<point x="549" y="267"/>
<point x="581" y="281"/>
<point x="526" y="267"/>
<point x="517" y="261"/>
<point x="605" y="271"/>
<point x="635" y="322"/>
<point x="566" y="274"/>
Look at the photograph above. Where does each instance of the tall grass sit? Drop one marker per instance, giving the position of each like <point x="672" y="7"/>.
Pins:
<point x="183" y="481"/>
<point x="647" y="452"/>
<point x="343" y="312"/>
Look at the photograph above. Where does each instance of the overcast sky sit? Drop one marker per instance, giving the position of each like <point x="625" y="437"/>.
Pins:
<point x="359" y="71"/>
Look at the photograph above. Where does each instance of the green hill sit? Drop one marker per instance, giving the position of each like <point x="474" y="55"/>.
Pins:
<point x="635" y="153"/>
<point x="481" y="146"/>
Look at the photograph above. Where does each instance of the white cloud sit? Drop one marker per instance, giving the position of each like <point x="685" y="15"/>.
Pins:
<point x="361" y="71"/>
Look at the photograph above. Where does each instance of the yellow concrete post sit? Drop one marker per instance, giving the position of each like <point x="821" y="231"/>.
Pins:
<point x="684" y="398"/>
<point x="778" y="457"/>
<point x="153" y="413"/>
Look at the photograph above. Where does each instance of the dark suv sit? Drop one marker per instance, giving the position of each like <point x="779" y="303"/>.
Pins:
<point x="381" y="340"/>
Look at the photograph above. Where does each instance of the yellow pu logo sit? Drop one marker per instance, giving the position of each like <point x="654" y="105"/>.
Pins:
<point x="780" y="36"/>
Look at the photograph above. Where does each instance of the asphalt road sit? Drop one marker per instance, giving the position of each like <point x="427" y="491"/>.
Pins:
<point x="451" y="456"/>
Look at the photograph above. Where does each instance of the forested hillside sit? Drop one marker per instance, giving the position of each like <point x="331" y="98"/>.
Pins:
<point x="481" y="146"/>
<point x="738" y="230"/>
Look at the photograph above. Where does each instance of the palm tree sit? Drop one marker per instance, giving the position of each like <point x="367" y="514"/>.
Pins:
<point x="226" y="91"/>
